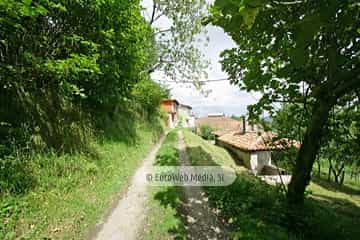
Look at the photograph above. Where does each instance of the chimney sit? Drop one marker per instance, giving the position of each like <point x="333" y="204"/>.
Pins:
<point x="243" y="124"/>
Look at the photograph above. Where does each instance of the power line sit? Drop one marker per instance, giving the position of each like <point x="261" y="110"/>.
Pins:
<point x="186" y="81"/>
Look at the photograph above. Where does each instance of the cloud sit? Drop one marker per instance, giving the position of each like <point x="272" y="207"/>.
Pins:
<point x="223" y="97"/>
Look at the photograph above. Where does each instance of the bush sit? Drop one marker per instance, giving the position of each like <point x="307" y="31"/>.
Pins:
<point x="206" y="132"/>
<point x="149" y="94"/>
<point x="252" y="208"/>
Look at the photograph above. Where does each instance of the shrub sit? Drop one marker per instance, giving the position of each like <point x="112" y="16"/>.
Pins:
<point x="149" y="94"/>
<point x="252" y="208"/>
<point x="206" y="132"/>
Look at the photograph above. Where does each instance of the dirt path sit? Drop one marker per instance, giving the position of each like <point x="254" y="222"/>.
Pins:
<point x="126" y="219"/>
<point x="201" y="221"/>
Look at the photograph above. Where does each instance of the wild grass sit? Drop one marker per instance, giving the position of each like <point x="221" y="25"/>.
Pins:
<point x="67" y="194"/>
<point x="202" y="151"/>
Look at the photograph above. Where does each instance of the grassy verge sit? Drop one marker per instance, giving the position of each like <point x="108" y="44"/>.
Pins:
<point x="202" y="152"/>
<point x="256" y="210"/>
<point x="163" y="221"/>
<point x="71" y="192"/>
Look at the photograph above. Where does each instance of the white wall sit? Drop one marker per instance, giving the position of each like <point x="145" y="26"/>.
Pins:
<point x="253" y="161"/>
<point x="170" y="121"/>
<point x="185" y="117"/>
<point x="264" y="158"/>
<point x="259" y="159"/>
<point x="191" y="122"/>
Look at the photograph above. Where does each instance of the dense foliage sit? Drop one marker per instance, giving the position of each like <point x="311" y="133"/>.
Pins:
<point x="206" y="132"/>
<point x="71" y="73"/>
<point x="148" y="95"/>
<point x="177" y="25"/>
<point x="339" y="148"/>
<point x="65" y="64"/>
<point x="304" y="52"/>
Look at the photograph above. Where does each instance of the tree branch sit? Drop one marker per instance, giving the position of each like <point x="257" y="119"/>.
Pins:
<point x="153" y="13"/>
<point x="351" y="82"/>
<point x="163" y="31"/>
<point x="152" y="69"/>
<point x="287" y="3"/>
<point x="158" y="16"/>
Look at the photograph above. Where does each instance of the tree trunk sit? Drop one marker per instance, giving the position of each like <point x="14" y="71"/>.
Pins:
<point x="319" y="168"/>
<point x="329" y="172"/>
<point x="338" y="172"/>
<point x="308" y="151"/>
<point x="342" y="177"/>
<point x="336" y="176"/>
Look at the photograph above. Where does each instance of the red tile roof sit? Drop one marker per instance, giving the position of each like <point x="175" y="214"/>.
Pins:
<point x="253" y="141"/>
<point x="170" y="101"/>
<point x="169" y="105"/>
<point x="219" y="123"/>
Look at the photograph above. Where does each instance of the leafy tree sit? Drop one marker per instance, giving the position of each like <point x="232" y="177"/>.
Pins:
<point x="304" y="52"/>
<point x="149" y="94"/>
<point x="341" y="143"/>
<point x="355" y="168"/>
<point x="288" y="122"/>
<point x="176" y="38"/>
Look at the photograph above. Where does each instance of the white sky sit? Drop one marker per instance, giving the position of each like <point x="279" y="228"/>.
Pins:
<point x="223" y="96"/>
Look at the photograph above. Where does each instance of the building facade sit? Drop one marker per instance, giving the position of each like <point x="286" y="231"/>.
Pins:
<point x="171" y="108"/>
<point x="186" y="116"/>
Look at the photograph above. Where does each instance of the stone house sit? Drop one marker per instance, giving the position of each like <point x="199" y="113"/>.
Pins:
<point x="253" y="146"/>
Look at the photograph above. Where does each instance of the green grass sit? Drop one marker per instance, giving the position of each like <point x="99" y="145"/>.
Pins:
<point x="322" y="189"/>
<point x="259" y="211"/>
<point x="342" y="200"/>
<point x="200" y="151"/>
<point x="162" y="221"/>
<point x="70" y="193"/>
